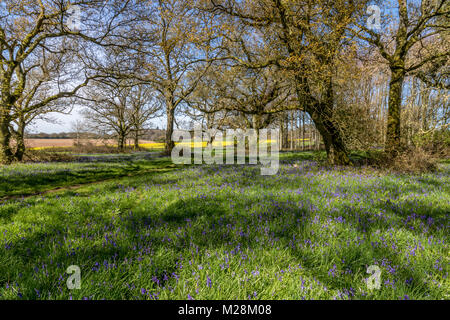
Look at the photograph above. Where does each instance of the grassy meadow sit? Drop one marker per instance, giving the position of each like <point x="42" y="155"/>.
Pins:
<point x="147" y="229"/>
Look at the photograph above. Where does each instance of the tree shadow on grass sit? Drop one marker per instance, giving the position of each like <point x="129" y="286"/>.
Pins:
<point x="38" y="181"/>
<point x="207" y="223"/>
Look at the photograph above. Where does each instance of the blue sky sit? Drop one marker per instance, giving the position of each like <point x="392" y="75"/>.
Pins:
<point x="65" y="123"/>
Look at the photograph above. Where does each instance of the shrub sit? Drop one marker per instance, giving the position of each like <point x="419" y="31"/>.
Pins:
<point x="436" y="142"/>
<point x="410" y="160"/>
<point x="46" y="156"/>
<point x="87" y="147"/>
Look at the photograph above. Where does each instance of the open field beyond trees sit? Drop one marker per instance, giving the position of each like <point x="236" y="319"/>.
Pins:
<point x="65" y="143"/>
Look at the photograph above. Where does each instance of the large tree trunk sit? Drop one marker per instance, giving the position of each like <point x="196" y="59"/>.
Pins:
<point x="321" y="114"/>
<point x="136" y="140"/>
<point x="136" y="143"/>
<point x="170" y="120"/>
<point x="121" y="142"/>
<point x="6" y="155"/>
<point x="284" y="131"/>
<point x="257" y="125"/>
<point x="20" y="141"/>
<point x="337" y="153"/>
<point x="393" y="143"/>
<point x="303" y="131"/>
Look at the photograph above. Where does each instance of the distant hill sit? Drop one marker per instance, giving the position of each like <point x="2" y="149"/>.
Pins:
<point x="60" y="135"/>
<point x="156" y="135"/>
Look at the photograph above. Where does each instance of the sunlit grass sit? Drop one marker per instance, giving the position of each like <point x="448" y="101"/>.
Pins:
<point x="226" y="232"/>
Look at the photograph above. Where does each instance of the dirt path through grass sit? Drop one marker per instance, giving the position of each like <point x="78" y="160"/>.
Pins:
<point x="57" y="183"/>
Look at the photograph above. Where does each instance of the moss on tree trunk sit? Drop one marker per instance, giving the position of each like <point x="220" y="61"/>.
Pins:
<point x="393" y="143"/>
<point x="6" y="155"/>
<point x="20" y="142"/>
<point x="337" y="153"/>
<point x="170" y="120"/>
<point x="121" y="143"/>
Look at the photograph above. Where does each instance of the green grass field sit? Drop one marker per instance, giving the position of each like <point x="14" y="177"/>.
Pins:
<point x="150" y="230"/>
<point x="28" y="179"/>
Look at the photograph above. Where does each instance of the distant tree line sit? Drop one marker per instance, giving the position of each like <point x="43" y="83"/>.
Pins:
<point x="317" y="70"/>
<point x="156" y="135"/>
